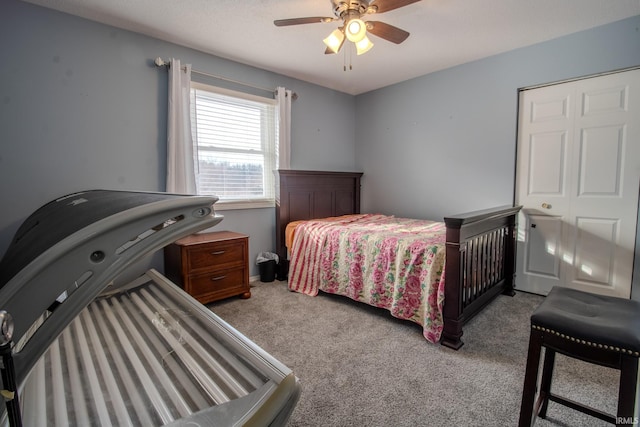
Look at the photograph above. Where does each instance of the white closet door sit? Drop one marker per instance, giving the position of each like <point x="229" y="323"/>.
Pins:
<point x="578" y="173"/>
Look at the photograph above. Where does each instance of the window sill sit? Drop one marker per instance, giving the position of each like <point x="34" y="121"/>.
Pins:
<point x="226" y="206"/>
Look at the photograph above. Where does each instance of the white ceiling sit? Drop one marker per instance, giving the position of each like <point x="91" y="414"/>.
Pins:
<point x="444" y="33"/>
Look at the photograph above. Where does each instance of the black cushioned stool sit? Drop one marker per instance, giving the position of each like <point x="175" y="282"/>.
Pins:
<point x="597" y="329"/>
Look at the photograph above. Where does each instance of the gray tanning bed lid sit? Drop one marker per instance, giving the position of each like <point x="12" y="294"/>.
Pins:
<point x="70" y="249"/>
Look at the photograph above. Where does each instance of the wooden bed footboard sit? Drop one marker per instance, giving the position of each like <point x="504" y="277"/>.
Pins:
<point x="480" y="264"/>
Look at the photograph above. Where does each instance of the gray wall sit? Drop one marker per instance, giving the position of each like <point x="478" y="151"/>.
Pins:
<point x="82" y="106"/>
<point x="461" y="124"/>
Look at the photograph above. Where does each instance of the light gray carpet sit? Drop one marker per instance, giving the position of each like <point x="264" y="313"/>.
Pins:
<point x="359" y="366"/>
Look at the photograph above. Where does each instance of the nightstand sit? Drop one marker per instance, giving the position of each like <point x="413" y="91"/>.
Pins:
<point x="210" y="266"/>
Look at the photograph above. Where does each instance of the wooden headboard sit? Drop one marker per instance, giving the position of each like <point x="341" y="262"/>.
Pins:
<point x="314" y="194"/>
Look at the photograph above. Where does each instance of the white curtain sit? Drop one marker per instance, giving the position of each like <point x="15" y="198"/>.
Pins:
<point x="180" y="165"/>
<point x="284" y="111"/>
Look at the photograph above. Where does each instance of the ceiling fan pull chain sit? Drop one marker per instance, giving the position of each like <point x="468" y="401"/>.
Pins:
<point x="344" y="60"/>
<point x="348" y="49"/>
<point x="350" y="57"/>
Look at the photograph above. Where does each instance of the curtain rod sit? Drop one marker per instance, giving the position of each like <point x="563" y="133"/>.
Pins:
<point x="162" y="63"/>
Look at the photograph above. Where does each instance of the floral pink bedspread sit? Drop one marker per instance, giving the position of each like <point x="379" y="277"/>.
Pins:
<point x="384" y="261"/>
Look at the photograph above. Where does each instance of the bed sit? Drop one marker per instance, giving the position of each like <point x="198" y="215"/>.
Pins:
<point x="77" y="350"/>
<point x="454" y="267"/>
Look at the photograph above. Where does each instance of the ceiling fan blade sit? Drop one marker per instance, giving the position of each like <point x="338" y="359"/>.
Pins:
<point x="387" y="32"/>
<point x="298" y="21"/>
<point x="382" y="6"/>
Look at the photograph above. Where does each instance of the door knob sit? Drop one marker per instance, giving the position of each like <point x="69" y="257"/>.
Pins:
<point x="546" y="206"/>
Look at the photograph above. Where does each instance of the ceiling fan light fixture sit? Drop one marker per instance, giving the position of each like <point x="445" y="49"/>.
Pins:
<point x="350" y="13"/>
<point x="363" y="46"/>
<point x="334" y="40"/>
<point x="356" y="30"/>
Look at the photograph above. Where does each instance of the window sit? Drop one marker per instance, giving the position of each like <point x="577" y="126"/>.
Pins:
<point x="235" y="146"/>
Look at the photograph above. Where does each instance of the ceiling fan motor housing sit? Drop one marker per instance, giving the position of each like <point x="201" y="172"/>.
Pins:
<point x="351" y="9"/>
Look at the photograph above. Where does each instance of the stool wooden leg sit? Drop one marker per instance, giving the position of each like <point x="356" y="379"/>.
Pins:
<point x="530" y="379"/>
<point x="627" y="390"/>
<point x="545" y="382"/>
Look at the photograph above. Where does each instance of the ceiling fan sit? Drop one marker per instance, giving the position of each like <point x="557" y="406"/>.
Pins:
<point x="351" y="12"/>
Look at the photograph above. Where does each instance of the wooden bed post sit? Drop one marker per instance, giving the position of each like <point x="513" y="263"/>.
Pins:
<point x="453" y="310"/>
<point x="510" y="273"/>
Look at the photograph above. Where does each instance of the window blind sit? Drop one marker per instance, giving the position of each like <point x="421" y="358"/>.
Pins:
<point x="235" y="141"/>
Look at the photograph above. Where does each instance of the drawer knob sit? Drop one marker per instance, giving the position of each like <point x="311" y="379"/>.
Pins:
<point x="213" y="279"/>
<point x="217" y="253"/>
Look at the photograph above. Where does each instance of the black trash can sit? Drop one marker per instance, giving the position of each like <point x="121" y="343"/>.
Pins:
<point x="267" y="270"/>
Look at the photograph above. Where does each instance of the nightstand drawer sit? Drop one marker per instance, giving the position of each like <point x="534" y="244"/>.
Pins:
<point x="225" y="280"/>
<point x="216" y="255"/>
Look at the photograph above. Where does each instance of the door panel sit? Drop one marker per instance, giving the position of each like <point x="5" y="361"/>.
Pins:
<point x="578" y="174"/>
<point x="542" y="185"/>
<point x="544" y="243"/>
<point x="601" y="151"/>
<point x="538" y="252"/>
<point x="553" y="108"/>
<point x="594" y="252"/>
<point x="605" y="100"/>
<point x="607" y="158"/>
<point x="547" y="164"/>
